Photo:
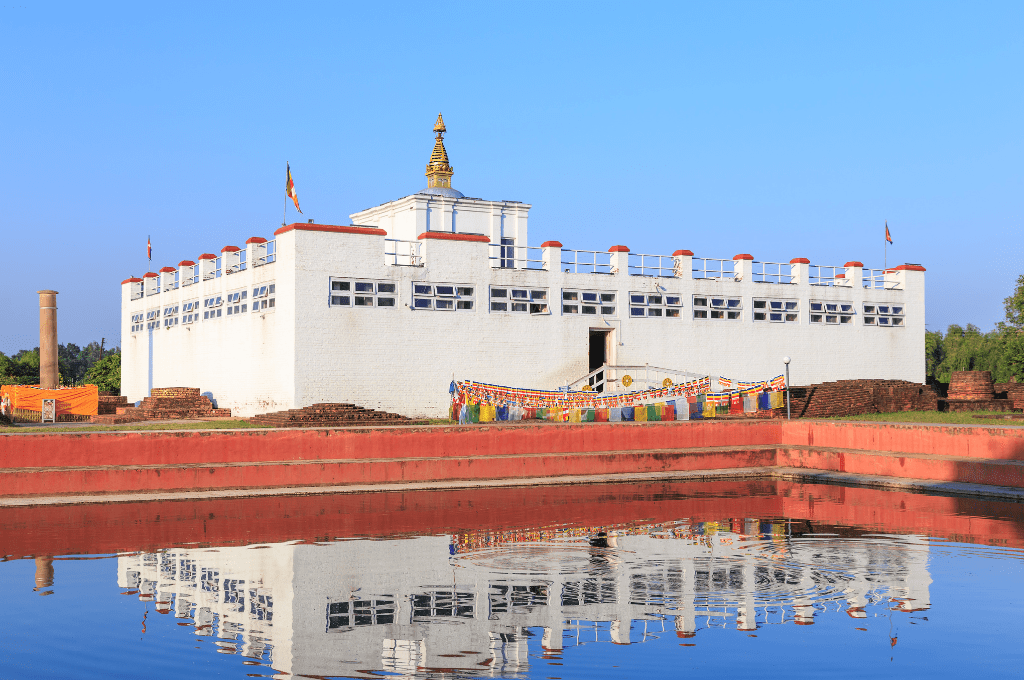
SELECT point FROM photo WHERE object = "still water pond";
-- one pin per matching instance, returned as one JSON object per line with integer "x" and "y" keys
{"x": 755, "y": 579}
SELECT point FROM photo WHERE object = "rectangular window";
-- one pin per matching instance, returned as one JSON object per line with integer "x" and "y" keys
{"x": 712, "y": 307}
{"x": 776, "y": 311}
{"x": 594, "y": 302}
{"x": 236, "y": 302}
{"x": 442, "y": 297}
{"x": 369, "y": 612}
{"x": 883, "y": 315}
{"x": 342, "y": 293}
{"x": 520, "y": 300}
{"x": 264, "y": 294}
{"x": 137, "y": 324}
{"x": 654, "y": 305}
{"x": 831, "y": 312}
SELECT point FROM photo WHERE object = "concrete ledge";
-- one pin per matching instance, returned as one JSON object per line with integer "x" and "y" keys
{"x": 253, "y": 462}
{"x": 801, "y": 475}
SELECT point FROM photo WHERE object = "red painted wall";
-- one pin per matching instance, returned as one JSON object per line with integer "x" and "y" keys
{"x": 127, "y": 527}
{"x": 46, "y": 464}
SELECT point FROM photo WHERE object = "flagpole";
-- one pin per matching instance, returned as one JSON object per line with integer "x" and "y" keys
{"x": 885, "y": 258}
{"x": 284, "y": 213}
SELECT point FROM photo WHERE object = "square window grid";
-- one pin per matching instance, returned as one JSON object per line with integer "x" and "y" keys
{"x": 520, "y": 300}
{"x": 137, "y": 324}
{"x": 776, "y": 311}
{"x": 263, "y": 297}
{"x": 885, "y": 315}
{"x": 835, "y": 313}
{"x": 190, "y": 312}
{"x": 655, "y": 305}
{"x": 362, "y": 294}
{"x": 443, "y": 297}
{"x": 367, "y": 612}
{"x": 715, "y": 307}
{"x": 236, "y": 302}
{"x": 152, "y": 319}
{"x": 594, "y": 302}
{"x": 212, "y": 307}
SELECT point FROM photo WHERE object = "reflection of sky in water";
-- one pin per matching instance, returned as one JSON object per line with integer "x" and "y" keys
{"x": 738, "y": 596}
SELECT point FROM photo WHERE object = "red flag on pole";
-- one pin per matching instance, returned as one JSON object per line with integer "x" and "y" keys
{"x": 888, "y": 236}
{"x": 290, "y": 188}
{"x": 149, "y": 248}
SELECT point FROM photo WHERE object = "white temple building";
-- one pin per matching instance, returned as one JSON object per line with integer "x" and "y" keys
{"x": 436, "y": 286}
{"x": 406, "y": 606}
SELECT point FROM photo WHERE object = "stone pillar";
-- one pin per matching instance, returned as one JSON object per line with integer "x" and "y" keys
{"x": 619, "y": 260}
{"x": 44, "y": 572}
{"x": 743, "y": 267}
{"x": 48, "y": 339}
{"x": 682, "y": 264}
{"x": 854, "y": 274}
{"x": 800, "y": 270}
{"x": 552, "y": 256}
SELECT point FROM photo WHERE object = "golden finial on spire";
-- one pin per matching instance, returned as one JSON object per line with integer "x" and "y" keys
{"x": 439, "y": 172}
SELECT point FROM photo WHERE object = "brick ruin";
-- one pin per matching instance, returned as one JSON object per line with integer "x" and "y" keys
{"x": 330, "y": 415}
{"x": 164, "y": 403}
{"x": 857, "y": 397}
{"x": 975, "y": 391}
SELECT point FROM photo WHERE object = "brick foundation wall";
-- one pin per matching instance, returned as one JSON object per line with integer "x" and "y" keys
{"x": 855, "y": 397}
{"x": 971, "y": 385}
{"x": 1012, "y": 391}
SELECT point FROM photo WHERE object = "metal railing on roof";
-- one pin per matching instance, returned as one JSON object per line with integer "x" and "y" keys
{"x": 663, "y": 266}
{"x": 586, "y": 261}
{"x": 401, "y": 253}
{"x": 504, "y": 256}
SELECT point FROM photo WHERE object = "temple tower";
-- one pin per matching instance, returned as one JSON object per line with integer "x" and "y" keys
{"x": 439, "y": 171}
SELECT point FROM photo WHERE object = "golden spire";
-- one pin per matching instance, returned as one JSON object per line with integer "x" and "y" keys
{"x": 439, "y": 172}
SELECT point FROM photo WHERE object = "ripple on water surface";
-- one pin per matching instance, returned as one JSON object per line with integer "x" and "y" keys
{"x": 710, "y": 592}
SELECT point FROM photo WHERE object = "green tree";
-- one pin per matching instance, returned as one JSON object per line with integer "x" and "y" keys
{"x": 106, "y": 373}
{"x": 1014, "y": 306}
{"x": 23, "y": 368}
{"x": 1013, "y": 331}
{"x": 934, "y": 353}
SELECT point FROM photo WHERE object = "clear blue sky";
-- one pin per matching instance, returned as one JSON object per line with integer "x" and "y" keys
{"x": 779, "y": 129}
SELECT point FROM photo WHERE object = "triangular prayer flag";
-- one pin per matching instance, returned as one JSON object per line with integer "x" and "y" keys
{"x": 290, "y": 188}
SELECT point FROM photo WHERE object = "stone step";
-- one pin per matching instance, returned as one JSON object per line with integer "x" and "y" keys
{"x": 353, "y": 469}
{"x": 334, "y": 472}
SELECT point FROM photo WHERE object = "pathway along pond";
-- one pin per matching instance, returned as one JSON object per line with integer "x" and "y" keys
{"x": 753, "y": 579}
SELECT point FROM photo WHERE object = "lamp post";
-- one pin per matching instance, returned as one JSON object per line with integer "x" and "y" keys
{"x": 785, "y": 360}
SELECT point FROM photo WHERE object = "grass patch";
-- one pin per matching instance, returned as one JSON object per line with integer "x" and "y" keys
{"x": 134, "y": 427}
{"x": 933, "y": 417}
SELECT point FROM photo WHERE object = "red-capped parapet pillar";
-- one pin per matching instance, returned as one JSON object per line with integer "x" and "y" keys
{"x": 48, "y": 372}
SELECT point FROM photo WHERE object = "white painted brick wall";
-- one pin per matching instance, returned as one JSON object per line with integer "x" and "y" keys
{"x": 402, "y": 360}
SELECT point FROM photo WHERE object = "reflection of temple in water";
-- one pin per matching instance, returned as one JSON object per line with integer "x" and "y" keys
{"x": 467, "y": 603}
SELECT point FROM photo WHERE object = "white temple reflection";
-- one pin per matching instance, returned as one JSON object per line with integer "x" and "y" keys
{"x": 483, "y": 603}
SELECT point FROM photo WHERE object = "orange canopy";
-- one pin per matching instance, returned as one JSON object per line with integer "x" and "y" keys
{"x": 82, "y": 401}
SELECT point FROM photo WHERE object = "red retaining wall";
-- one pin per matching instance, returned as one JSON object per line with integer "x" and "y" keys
{"x": 128, "y": 462}
{"x": 217, "y": 446}
{"x": 996, "y": 443}
{"x": 130, "y": 527}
